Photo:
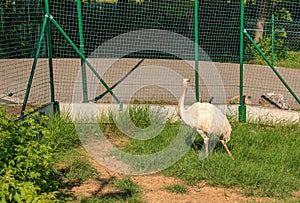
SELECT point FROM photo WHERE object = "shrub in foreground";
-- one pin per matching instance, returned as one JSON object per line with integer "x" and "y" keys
{"x": 25, "y": 173}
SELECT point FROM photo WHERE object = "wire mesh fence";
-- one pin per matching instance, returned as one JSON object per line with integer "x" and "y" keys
{"x": 20, "y": 23}
{"x": 135, "y": 66}
{"x": 274, "y": 26}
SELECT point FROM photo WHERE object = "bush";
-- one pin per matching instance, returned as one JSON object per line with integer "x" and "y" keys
{"x": 265, "y": 44}
{"x": 25, "y": 175}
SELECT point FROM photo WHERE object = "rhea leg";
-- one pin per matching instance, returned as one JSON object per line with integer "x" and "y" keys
{"x": 224, "y": 144}
{"x": 206, "y": 141}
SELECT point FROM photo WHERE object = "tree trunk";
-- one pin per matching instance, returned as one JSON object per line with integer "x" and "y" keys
{"x": 263, "y": 11}
{"x": 259, "y": 29}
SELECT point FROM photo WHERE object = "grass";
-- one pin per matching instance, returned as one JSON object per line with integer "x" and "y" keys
{"x": 101, "y": 199}
{"x": 266, "y": 158}
{"x": 69, "y": 159}
{"x": 72, "y": 168}
{"x": 177, "y": 188}
{"x": 125, "y": 184}
{"x": 127, "y": 191}
{"x": 267, "y": 162}
{"x": 293, "y": 61}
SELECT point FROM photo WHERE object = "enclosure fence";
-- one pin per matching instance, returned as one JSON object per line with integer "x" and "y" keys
{"x": 137, "y": 51}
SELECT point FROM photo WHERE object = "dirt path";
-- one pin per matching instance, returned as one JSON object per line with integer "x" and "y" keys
{"x": 152, "y": 189}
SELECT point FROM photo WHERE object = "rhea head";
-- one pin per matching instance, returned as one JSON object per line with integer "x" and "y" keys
{"x": 186, "y": 82}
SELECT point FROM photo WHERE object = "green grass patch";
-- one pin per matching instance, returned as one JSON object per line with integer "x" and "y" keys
{"x": 177, "y": 188}
{"x": 63, "y": 133}
{"x": 69, "y": 159}
{"x": 266, "y": 159}
{"x": 266, "y": 162}
{"x": 73, "y": 167}
{"x": 110, "y": 199}
{"x": 126, "y": 185}
{"x": 292, "y": 61}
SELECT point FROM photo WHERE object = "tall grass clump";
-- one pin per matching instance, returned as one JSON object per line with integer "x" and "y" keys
{"x": 70, "y": 164}
{"x": 63, "y": 133}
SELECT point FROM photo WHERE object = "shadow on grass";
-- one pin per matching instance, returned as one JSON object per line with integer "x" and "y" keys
{"x": 113, "y": 196}
{"x": 124, "y": 191}
{"x": 109, "y": 197}
{"x": 197, "y": 143}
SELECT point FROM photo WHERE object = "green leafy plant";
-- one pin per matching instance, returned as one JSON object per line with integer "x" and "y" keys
{"x": 265, "y": 44}
{"x": 25, "y": 172}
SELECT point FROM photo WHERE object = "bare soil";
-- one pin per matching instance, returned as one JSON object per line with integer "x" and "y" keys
{"x": 153, "y": 189}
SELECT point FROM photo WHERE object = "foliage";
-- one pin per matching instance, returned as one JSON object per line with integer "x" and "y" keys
{"x": 293, "y": 61}
{"x": 13, "y": 190}
{"x": 282, "y": 19}
{"x": 21, "y": 23}
{"x": 25, "y": 161}
{"x": 265, "y": 44}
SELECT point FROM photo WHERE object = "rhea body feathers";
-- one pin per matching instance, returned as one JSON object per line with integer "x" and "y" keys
{"x": 199, "y": 116}
{"x": 205, "y": 118}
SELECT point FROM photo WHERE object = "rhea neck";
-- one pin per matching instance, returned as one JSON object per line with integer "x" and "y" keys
{"x": 181, "y": 108}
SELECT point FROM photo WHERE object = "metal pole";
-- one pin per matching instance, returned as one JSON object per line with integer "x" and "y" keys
{"x": 273, "y": 39}
{"x": 33, "y": 67}
{"x": 272, "y": 67}
{"x": 196, "y": 33}
{"x": 81, "y": 47}
{"x": 49, "y": 44}
{"x": 242, "y": 107}
{"x": 85, "y": 60}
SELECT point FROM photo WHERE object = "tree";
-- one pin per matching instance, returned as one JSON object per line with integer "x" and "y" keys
{"x": 261, "y": 10}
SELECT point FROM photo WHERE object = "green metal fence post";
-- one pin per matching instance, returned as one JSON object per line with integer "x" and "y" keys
{"x": 33, "y": 67}
{"x": 273, "y": 39}
{"x": 81, "y": 47}
{"x": 49, "y": 44}
{"x": 60, "y": 29}
{"x": 271, "y": 66}
{"x": 196, "y": 33}
{"x": 242, "y": 107}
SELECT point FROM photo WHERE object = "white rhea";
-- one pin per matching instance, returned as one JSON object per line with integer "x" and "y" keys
{"x": 206, "y": 118}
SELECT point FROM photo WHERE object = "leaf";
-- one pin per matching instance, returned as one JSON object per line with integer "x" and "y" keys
{"x": 17, "y": 197}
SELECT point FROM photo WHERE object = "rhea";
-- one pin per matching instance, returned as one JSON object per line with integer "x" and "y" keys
{"x": 206, "y": 119}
